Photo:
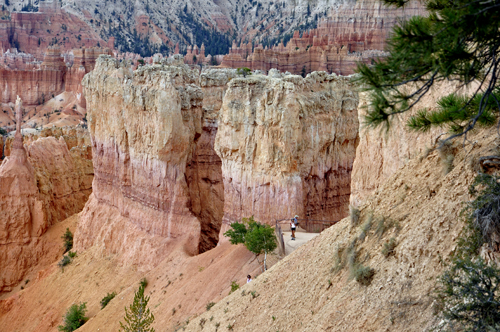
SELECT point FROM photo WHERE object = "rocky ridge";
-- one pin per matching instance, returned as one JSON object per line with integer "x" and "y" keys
{"x": 34, "y": 32}
{"x": 353, "y": 31}
{"x": 361, "y": 24}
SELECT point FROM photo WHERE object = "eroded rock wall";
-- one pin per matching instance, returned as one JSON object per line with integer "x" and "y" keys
{"x": 381, "y": 153}
{"x": 36, "y": 83}
{"x": 143, "y": 125}
{"x": 33, "y": 32}
{"x": 41, "y": 183}
{"x": 72, "y": 136}
{"x": 204, "y": 172}
{"x": 287, "y": 146}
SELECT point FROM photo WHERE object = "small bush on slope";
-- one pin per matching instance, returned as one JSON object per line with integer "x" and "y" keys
{"x": 354, "y": 214}
{"x": 363, "y": 274}
{"x": 388, "y": 248}
{"x": 469, "y": 291}
{"x": 64, "y": 261}
{"x": 74, "y": 318}
{"x": 68, "y": 240}
{"x": 138, "y": 317}
{"x": 105, "y": 300}
{"x": 234, "y": 286}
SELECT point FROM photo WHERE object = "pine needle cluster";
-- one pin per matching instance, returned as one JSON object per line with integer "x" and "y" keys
{"x": 458, "y": 41}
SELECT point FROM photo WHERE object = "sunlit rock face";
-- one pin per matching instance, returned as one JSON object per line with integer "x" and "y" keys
{"x": 287, "y": 146}
{"x": 143, "y": 126}
{"x": 41, "y": 182}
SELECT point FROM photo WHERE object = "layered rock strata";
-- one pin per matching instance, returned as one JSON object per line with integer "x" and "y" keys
{"x": 40, "y": 184}
{"x": 354, "y": 31}
{"x": 74, "y": 137}
{"x": 204, "y": 172}
{"x": 287, "y": 146}
{"x": 33, "y": 32}
{"x": 38, "y": 83}
{"x": 143, "y": 126}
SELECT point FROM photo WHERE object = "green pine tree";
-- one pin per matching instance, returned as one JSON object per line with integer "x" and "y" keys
{"x": 458, "y": 41}
{"x": 138, "y": 318}
{"x": 258, "y": 238}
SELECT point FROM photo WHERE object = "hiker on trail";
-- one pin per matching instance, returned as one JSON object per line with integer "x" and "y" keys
{"x": 293, "y": 226}
{"x": 249, "y": 278}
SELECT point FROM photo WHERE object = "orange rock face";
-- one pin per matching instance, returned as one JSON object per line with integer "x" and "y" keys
{"x": 351, "y": 34}
{"x": 287, "y": 146}
{"x": 40, "y": 184}
{"x": 37, "y": 83}
{"x": 143, "y": 126}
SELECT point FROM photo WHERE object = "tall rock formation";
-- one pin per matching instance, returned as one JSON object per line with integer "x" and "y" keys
{"x": 287, "y": 146}
{"x": 143, "y": 126}
{"x": 172, "y": 160}
{"x": 23, "y": 215}
{"x": 204, "y": 172}
{"x": 39, "y": 185}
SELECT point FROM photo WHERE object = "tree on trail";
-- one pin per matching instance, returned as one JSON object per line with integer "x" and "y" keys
{"x": 258, "y": 238}
{"x": 138, "y": 318}
{"x": 458, "y": 41}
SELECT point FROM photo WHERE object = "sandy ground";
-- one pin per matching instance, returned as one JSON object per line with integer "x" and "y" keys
{"x": 180, "y": 287}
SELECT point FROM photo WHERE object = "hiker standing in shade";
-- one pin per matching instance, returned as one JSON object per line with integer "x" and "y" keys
{"x": 293, "y": 226}
{"x": 249, "y": 278}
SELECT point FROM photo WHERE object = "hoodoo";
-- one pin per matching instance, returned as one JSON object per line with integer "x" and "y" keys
{"x": 40, "y": 184}
{"x": 22, "y": 214}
